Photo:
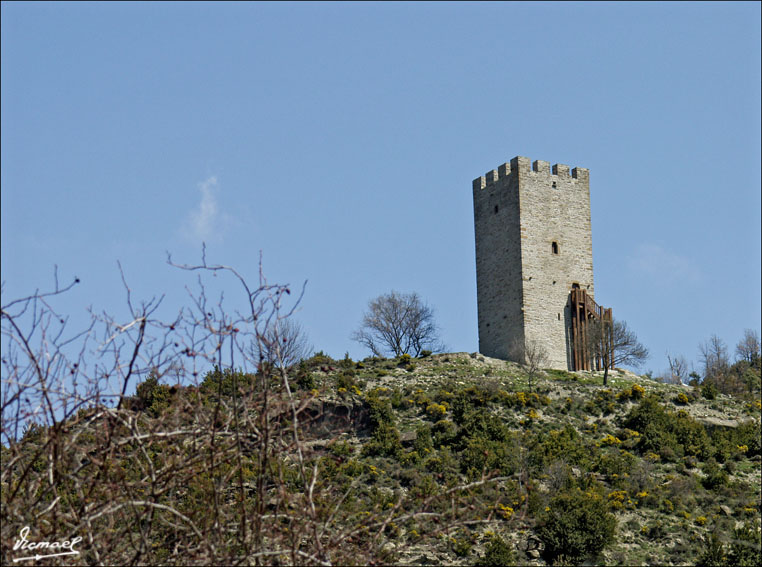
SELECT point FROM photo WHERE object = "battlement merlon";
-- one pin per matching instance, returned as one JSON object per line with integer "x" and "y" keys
{"x": 581, "y": 173}
{"x": 492, "y": 177}
{"x": 524, "y": 165}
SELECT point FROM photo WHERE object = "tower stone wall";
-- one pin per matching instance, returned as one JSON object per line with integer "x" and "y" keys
{"x": 533, "y": 244}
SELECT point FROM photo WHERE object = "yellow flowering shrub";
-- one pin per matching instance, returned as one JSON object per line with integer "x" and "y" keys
{"x": 618, "y": 495}
{"x": 436, "y": 411}
{"x": 637, "y": 391}
{"x": 505, "y": 511}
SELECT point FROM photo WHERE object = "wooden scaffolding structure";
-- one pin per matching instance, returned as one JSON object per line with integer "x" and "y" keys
{"x": 590, "y": 352}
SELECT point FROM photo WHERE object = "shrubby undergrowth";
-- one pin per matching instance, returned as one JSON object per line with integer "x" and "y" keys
{"x": 446, "y": 458}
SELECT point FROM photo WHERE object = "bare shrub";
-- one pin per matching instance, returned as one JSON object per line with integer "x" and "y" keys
{"x": 531, "y": 354}
{"x": 199, "y": 480}
{"x": 678, "y": 369}
{"x": 284, "y": 344}
{"x": 212, "y": 462}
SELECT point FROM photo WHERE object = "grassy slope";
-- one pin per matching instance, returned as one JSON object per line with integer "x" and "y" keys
{"x": 649, "y": 531}
{"x": 389, "y": 482}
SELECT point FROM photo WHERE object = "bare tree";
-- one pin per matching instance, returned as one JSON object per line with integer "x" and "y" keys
{"x": 678, "y": 368}
{"x": 398, "y": 323}
{"x": 714, "y": 357}
{"x": 625, "y": 348}
{"x": 748, "y": 348}
{"x": 284, "y": 344}
{"x": 531, "y": 354}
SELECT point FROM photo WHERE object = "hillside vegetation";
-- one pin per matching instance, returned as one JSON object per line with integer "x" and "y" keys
{"x": 443, "y": 459}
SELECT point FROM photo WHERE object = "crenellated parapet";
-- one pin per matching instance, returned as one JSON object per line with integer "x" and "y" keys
{"x": 524, "y": 166}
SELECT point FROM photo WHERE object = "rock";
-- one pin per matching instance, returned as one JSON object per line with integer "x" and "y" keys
{"x": 408, "y": 437}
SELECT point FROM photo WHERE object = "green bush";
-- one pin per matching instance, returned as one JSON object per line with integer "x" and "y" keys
{"x": 461, "y": 545}
{"x": 347, "y": 362}
{"x": 467, "y": 400}
{"x": 497, "y": 554}
{"x": 380, "y": 409}
{"x": 304, "y": 378}
{"x": 575, "y": 524}
{"x": 482, "y": 456}
{"x": 691, "y": 435}
{"x": 647, "y": 413}
{"x": 346, "y": 379}
{"x": 154, "y": 397}
{"x": 522, "y": 400}
{"x": 670, "y": 434}
{"x": 444, "y": 433}
{"x": 749, "y": 433}
{"x": 559, "y": 444}
{"x": 714, "y": 553}
{"x": 603, "y": 403}
{"x": 423, "y": 441}
{"x": 385, "y": 441}
{"x": 714, "y": 476}
{"x": 483, "y": 424}
{"x": 225, "y": 381}
{"x": 319, "y": 358}
{"x": 442, "y": 462}
{"x": 723, "y": 441}
{"x": 614, "y": 462}
{"x": 745, "y": 550}
{"x": 341, "y": 449}
{"x": 709, "y": 390}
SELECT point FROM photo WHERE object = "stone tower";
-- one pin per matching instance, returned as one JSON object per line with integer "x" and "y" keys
{"x": 533, "y": 247}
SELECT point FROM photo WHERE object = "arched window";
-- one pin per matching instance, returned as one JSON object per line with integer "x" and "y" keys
{"x": 554, "y": 247}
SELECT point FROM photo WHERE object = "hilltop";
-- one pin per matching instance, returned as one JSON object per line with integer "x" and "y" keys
{"x": 454, "y": 459}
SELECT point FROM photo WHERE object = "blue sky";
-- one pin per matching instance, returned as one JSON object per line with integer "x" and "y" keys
{"x": 340, "y": 140}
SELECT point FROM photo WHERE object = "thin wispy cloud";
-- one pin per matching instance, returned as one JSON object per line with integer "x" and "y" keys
{"x": 206, "y": 222}
{"x": 656, "y": 263}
